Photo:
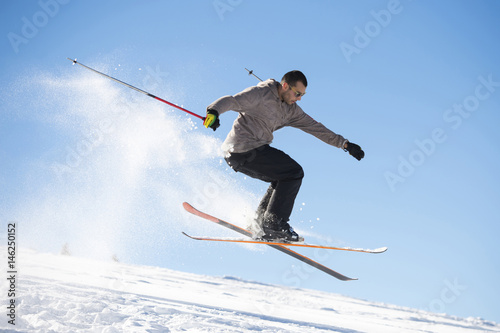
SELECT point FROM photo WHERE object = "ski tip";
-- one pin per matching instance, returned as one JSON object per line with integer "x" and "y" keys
{"x": 187, "y": 206}
{"x": 186, "y": 234}
{"x": 73, "y": 60}
{"x": 380, "y": 250}
{"x": 192, "y": 237}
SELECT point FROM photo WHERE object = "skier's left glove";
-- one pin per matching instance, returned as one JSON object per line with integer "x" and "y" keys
{"x": 354, "y": 150}
{"x": 212, "y": 119}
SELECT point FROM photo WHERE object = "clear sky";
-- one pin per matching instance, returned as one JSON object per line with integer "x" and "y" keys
{"x": 95, "y": 165}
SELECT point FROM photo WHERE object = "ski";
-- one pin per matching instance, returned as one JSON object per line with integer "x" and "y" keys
{"x": 281, "y": 248}
{"x": 277, "y": 242}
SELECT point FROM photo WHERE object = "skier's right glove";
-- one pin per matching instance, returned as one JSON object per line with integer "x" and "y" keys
{"x": 212, "y": 119}
{"x": 354, "y": 150}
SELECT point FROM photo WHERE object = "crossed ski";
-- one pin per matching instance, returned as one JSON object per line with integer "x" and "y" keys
{"x": 283, "y": 247}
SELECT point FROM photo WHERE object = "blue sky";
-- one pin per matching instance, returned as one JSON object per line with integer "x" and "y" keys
{"x": 90, "y": 163}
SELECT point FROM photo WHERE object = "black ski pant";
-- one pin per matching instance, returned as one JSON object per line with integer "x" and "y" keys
{"x": 273, "y": 166}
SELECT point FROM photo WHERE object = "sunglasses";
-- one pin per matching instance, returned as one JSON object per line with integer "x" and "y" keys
{"x": 297, "y": 93}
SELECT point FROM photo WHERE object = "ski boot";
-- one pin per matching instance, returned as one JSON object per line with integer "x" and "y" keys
{"x": 280, "y": 232}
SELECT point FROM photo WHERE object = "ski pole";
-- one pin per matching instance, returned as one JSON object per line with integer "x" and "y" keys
{"x": 250, "y": 72}
{"x": 137, "y": 89}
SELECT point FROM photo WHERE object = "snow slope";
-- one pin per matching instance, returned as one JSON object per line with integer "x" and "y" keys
{"x": 57, "y": 293}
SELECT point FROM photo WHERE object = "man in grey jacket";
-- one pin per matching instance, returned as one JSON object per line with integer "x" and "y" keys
{"x": 263, "y": 109}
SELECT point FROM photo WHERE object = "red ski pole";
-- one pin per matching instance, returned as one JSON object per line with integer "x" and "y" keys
{"x": 139, "y": 90}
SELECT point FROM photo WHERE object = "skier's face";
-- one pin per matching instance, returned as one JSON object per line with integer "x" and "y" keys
{"x": 292, "y": 94}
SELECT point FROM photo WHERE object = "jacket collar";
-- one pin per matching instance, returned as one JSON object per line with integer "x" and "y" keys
{"x": 273, "y": 85}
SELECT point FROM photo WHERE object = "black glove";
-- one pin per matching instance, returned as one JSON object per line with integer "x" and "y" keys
{"x": 354, "y": 150}
{"x": 212, "y": 119}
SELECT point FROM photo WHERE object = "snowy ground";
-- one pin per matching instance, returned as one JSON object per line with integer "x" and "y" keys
{"x": 57, "y": 293}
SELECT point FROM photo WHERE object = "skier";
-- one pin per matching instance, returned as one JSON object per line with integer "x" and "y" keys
{"x": 263, "y": 109}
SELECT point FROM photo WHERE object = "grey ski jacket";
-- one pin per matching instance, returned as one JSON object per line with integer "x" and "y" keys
{"x": 261, "y": 112}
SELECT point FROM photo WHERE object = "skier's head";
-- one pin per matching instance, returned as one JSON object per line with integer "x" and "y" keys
{"x": 293, "y": 77}
{"x": 293, "y": 86}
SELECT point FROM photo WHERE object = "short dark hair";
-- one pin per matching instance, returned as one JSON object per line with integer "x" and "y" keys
{"x": 293, "y": 77}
